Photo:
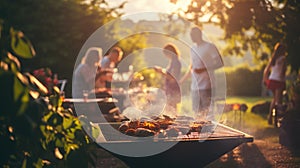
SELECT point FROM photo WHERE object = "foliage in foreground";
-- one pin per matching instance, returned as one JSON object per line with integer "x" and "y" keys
{"x": 35, "y": 130}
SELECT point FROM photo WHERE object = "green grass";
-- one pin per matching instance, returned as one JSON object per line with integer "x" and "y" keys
{"x": 250, "y": 101}
{"x": 251, "y": 123}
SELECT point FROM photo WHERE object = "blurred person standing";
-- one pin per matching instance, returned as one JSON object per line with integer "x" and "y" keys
{"x": 172, "y": 76}
{"x": 85, "y": 73}
{"x": 110, "y": 61}
{"x": 114, "y": 56}
{"x": 274, "y": 76}
{"x": 205, "y": 59}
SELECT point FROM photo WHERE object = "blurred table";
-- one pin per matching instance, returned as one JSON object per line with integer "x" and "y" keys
{"x": 93, "y": 100}
{"x": 118, "y": 94}
{"x": 93, "y": 108}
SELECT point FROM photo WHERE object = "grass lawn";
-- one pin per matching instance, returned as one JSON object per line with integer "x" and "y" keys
{"x": 265, "y": 151}
{"x": 248, "y": 122}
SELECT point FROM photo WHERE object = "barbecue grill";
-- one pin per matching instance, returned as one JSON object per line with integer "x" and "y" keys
{"x": 180, "y": 151}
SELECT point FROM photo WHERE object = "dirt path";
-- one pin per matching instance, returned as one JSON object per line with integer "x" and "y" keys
{"x": 259, "y": 154}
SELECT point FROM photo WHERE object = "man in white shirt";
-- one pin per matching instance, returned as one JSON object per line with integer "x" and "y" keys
{"x": 205, "y": 58}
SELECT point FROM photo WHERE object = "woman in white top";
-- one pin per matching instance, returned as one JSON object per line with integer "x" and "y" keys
{"x": 274, "y": 76}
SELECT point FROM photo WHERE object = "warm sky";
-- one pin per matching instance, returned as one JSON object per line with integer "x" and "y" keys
{"x": 162, "y": 6}
{"x": 165, "y": 6}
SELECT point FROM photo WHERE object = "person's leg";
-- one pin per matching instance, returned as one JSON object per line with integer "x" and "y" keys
{"x": 278, "y": 103}
{"x": 272, "y": 105}
{"x": 195, "y": 101}
{"x": 205, "y": 100}
{"x": 278, "y": 96}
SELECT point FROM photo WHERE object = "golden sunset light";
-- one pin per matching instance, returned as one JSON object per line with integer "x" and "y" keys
{"x": 149, "y": 83}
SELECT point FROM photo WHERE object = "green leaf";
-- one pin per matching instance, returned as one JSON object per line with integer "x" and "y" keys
{"x": 44, "y": 145}
{"x": 55, "y": 119}
{"x": 24, "y": 164}
{"x": 21, "y": 95}
{"x": 67, "y": 123}
{"x": 59, "y": 143}
{"x": 39, "y": 163}
{"x": 20, "y": 45}
{"x": 71, "y": 135}
{"x": 95, "y": 131}
{"x": 54, "y": 100}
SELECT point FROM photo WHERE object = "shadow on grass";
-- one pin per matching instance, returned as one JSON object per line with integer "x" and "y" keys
{"x": 244, "y": 156}
{"x": 265, "y": 133}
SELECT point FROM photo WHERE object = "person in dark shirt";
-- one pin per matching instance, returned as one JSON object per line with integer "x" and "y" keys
{"x": 109, "y": 61}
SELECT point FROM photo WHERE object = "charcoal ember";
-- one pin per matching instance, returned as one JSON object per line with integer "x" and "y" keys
{"x": 156, "y": 127}
{"x": 150, "y": 125}
{"x": 143, "y": 132}
{"x": 163, "y": 121}
{"x": 206, "y": 126}
{"x": 172, "y": 132}
{"x": 124, "y": 127}
{"x": 134, "y": 124}
{"x": 196, "y": 128}
{"x": 130, "y": 132}
{"x": 164, "y": 124}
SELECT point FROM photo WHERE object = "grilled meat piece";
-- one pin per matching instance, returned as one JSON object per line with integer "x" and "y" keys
{"x": 124, "y": 127}
{"x": 130, "y": 132}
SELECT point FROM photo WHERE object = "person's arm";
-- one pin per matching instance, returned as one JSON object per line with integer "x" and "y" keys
{"x": 186, "y": 75}
{"x": 164, "y": 72}
{"x": 105, "y": 63}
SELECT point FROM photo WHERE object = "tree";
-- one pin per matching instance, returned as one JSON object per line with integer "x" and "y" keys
{"x": 252, "y": 24}
{"x": 57, "y": 28}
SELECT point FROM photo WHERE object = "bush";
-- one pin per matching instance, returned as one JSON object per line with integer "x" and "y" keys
{"x": 35, "y": 130}
{"x": 244, "y": 81}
